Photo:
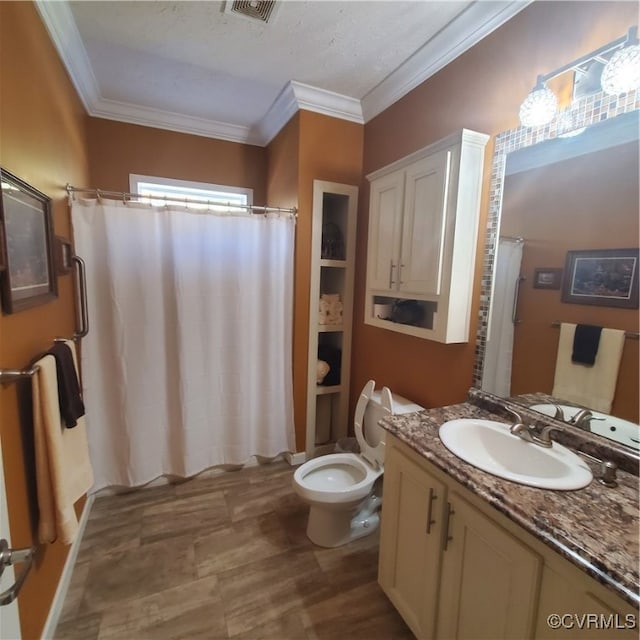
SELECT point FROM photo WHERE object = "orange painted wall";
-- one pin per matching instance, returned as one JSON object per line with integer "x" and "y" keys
{"x": 310, "y": 147}
{"x": 331, "y": 150}
{"x": 481, "y": 90}
{"x": 43, "y": 141}
{"x": 589, "y": 202}
{"x": 117, "y": 149}
{"x": 283, "y": 160}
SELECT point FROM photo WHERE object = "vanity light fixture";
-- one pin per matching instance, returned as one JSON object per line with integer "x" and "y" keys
{"x": 621, "y": 73}
{"x": 540, "y": 106}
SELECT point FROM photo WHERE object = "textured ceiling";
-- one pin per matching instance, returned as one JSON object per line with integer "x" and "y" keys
{"x": 163, "y": 61}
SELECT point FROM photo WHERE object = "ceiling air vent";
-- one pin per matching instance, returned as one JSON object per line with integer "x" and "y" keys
{"x": 260, "y": 10}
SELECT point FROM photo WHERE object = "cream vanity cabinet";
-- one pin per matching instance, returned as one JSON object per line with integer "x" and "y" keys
{"x": 454, "y": 570}
{"x": 410, "y": 540}
{"x": 423, "y": 223}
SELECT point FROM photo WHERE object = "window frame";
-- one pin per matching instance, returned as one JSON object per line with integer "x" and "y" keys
{"x": 136, "y": 179}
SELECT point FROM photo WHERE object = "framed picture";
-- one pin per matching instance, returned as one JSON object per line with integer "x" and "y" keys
{"x": 547, "y": 278}
{"x": 26, "y": 245}
{"x": 605, "y": 277}
{"x": 63, "y": 256}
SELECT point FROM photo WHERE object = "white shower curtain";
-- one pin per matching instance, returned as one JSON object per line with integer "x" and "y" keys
{"x": 496, "y": 373}
{"x": 187, "y": 364}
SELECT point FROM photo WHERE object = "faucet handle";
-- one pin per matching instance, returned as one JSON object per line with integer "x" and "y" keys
{"x": 515, "y": 414}
{"x": 559, "y": 413}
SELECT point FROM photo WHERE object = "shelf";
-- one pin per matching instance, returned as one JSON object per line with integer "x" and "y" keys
{"x": 324, "y": 328}
{"x": 338, "y": 264}
{"x": 324, "y": 391}
{"x": 334, "y": 211}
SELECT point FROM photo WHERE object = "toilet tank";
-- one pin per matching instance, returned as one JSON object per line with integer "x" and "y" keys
{"x": 374, "y": 412}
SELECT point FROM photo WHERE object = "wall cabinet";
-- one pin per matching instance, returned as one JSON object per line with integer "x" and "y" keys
{"x": 453, "y": 569}
{"x": 423, "y": 222}
{"x": 333, "y": 238}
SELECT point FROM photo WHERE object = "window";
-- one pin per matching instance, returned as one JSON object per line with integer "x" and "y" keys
{"x": 197, "y": 195}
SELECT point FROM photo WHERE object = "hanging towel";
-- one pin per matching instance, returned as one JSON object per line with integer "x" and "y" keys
{"x": 63, "y": 469}
{"x": 591, "y": 387}
{"x": 69, "y": 395}
{"x": 585, "y": 344}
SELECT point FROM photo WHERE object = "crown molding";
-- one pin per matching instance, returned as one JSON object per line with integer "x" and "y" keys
{"x": 296, "y": 96}
{"x": 476, "y": 22}
{"x": 60, "y": 24}
{"x": 462, "y": 33}
{"x": 328, "y": 103}
{"x": 171, "y": 121}
{"x": 283, "y": 108}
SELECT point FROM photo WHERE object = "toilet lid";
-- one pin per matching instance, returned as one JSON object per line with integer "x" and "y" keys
{"x": 373, "y": 455}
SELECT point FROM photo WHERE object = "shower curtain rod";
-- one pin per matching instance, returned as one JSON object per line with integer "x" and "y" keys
{"x": 127, "y": 196}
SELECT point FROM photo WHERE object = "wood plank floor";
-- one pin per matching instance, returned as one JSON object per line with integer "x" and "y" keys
{"x": 221, "y": 557}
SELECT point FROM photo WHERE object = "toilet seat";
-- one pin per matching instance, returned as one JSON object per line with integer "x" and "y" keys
{"x": 373, "y": 455}
{"x": 341, "y": 488}
{"x": 336, "y": 490}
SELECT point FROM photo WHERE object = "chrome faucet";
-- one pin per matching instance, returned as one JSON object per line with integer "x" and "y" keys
{"x": 583, "y": 419}
{"x": 529, "y": 434}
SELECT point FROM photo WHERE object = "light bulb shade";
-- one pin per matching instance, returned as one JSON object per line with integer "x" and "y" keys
{"x": 622, "y": 72}
{"x": 538, "y": 108}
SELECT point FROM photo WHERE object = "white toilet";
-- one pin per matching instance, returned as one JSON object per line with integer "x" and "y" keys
{"x": 340, "y": 486}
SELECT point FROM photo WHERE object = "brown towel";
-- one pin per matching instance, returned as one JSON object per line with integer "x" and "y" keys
{"x": 586, "y": 341}
{"x": 69, "y": 395}
{"x": 63, "y": 468}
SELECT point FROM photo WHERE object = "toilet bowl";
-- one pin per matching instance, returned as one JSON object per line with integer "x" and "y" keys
{"x": 341, "y": 488}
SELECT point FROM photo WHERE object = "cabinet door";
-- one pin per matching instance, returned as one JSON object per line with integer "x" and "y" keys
{"x": 424, "y": 225}
{"x": 571, "y": 606}
{"x": 489, "y": 579}
{"x": 385, "y": 226}
{"x": 410, "y": 541}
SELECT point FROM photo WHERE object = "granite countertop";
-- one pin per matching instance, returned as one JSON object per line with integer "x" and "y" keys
{"x": 595, "y": 528}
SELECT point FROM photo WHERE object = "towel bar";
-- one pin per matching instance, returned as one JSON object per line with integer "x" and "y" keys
{"x": 7, "y": 376}
{"x": 11, "y": 375}
{"x": 632, "y": 335}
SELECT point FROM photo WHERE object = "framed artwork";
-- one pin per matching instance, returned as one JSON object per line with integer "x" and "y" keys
{"x": 605, "y": 277}
{"x": 547, "y": 278}
{"x": 26, "y": 245}
{"x": 63, "y": 256}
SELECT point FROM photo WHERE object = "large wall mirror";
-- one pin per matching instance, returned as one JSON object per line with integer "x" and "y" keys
{"x": 556, "y": 198}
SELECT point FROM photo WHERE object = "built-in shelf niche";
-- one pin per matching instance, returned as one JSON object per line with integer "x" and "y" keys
{"x": 332, "y": 272}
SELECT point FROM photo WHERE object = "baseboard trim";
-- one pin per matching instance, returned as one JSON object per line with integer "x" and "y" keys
{"x": 295, "y": 459}
{"x": 65, "y": 578}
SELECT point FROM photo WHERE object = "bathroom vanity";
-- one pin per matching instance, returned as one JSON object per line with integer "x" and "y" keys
{"x": 465, "y": 554}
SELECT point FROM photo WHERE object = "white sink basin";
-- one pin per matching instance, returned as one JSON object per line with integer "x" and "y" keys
{"x": 489, "y": 446}
{"x": 617, "y": 429}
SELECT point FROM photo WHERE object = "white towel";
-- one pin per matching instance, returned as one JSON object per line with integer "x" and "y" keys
{"x": 63, "y": 470}
{"x": 592, "y": 387}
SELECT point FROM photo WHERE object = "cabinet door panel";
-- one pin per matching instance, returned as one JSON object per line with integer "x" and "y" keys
{"x": 410, "y": 541}
{"x": 489, "y": 580}
{"x": 583, "y": 615}
{"x": 385, "y": 224}
{"x": 424, "y": 225}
